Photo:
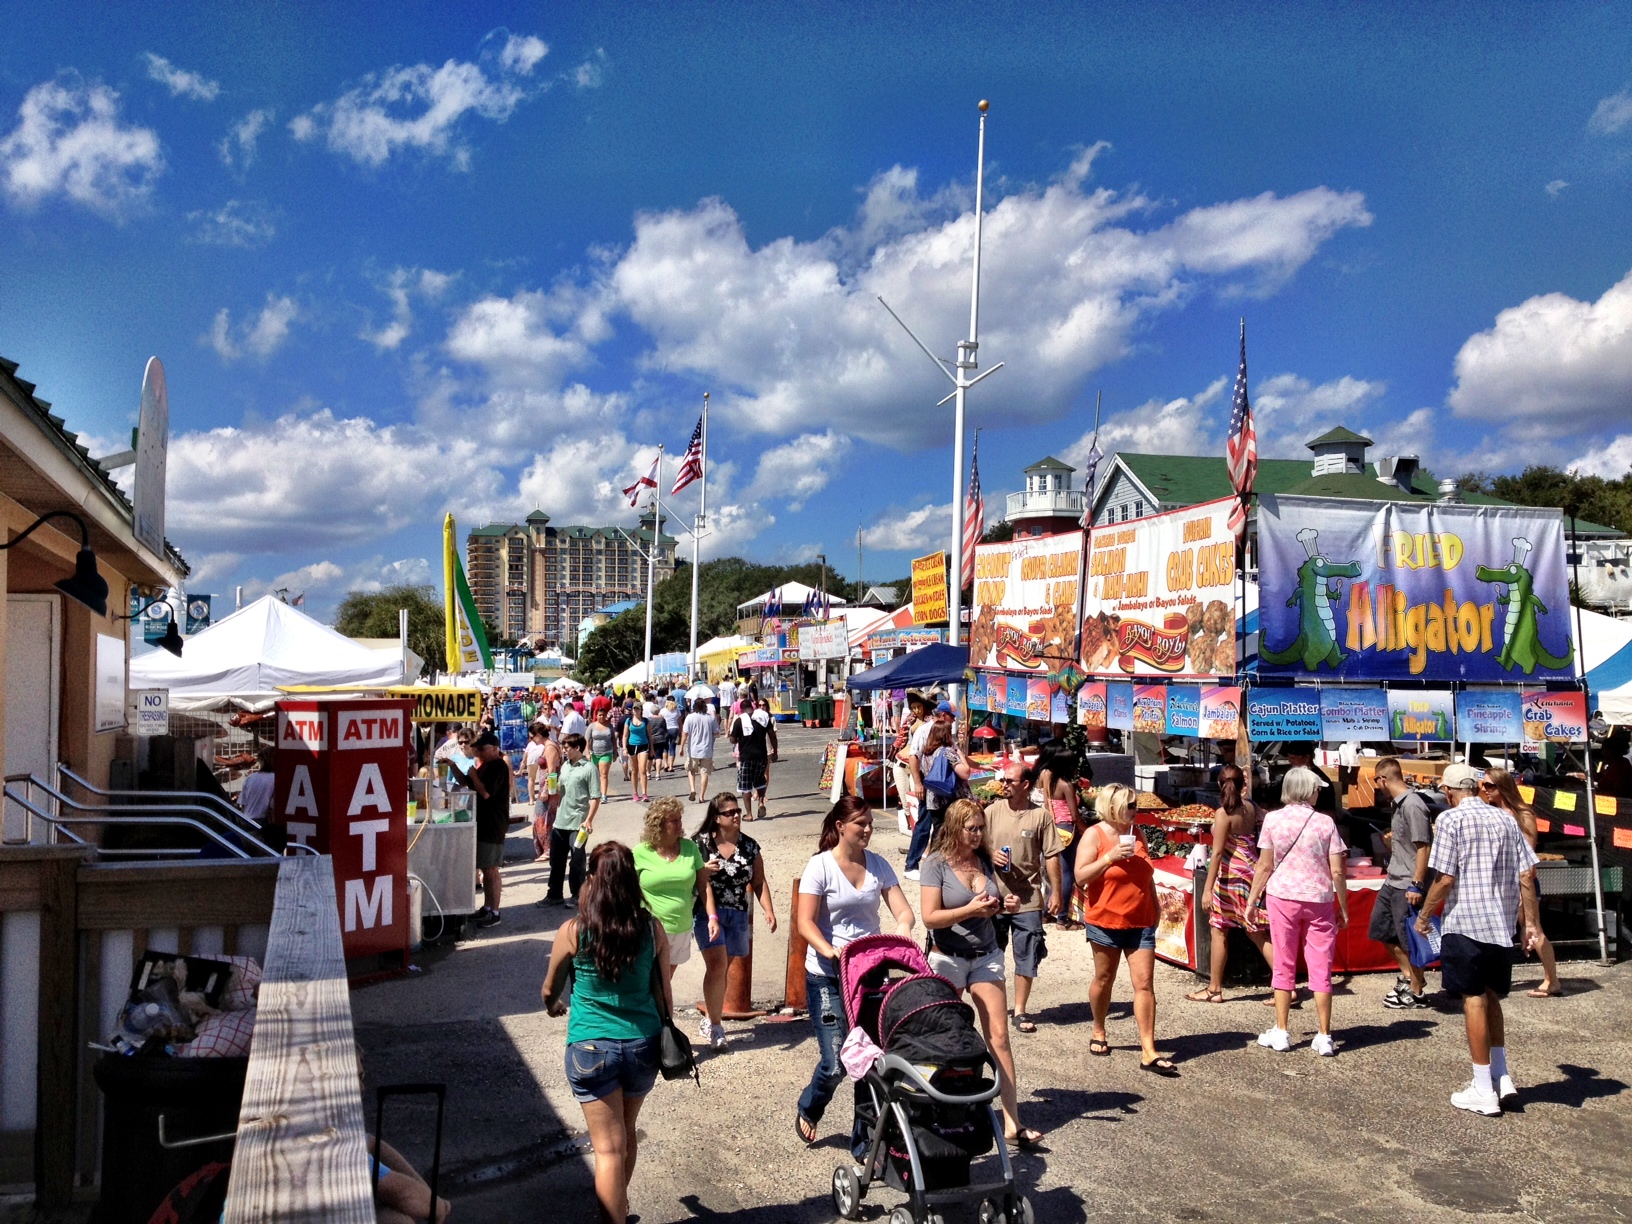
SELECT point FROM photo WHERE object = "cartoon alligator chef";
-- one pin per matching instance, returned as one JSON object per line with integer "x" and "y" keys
{"x": 1521, "y": 634}
{"x": 1316, "y": 642}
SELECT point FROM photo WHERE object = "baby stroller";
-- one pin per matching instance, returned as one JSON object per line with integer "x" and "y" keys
{"x": 926, "y": 1104}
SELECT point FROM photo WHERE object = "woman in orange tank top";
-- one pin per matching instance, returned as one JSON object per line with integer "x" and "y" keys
{"x": 1119, "y": 916}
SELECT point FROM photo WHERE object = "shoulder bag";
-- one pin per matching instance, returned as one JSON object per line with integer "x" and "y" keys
{"x": 674, "y": 1057}
{"x": 941, "y": 777}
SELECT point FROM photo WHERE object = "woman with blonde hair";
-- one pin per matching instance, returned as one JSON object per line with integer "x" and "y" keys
{"x": 673, "y": 877}
{"x": 1499, "y": 789}
{"x": 1119, "y": 916}
{"x": 959, "y": 896}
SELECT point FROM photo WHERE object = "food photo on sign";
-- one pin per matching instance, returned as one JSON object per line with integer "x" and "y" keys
{"x": 1025, "y": 599}
{"x": 1392, "y": 591}
{"x": 1160, "y": 598}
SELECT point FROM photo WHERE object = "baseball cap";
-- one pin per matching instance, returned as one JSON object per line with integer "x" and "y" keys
{"x": 1300, "y": 748}
{"x": 1460, "y": 777}
{"x": 946, "y": 707}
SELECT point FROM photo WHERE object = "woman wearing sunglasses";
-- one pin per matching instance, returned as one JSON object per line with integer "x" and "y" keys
{"x": 739, "y": 871}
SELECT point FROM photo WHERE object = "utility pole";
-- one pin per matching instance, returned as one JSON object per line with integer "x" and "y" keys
{"x": 861, "y": 587}
{"x": 698, "y": 526}
{"x": 651, "y": 558}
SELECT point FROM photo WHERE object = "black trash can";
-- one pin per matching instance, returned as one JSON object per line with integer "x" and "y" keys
{"x": 195, "y": 1096}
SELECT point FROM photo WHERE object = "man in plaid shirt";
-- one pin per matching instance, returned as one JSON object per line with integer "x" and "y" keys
{"x": 1487, "y": 873}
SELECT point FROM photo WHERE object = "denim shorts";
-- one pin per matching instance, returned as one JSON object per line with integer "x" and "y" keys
{"x": 736, "y": 931}
{"x": 1123, "y": 939}
{"x": 966, "y": 971}
{"x": 597, "y": 1068}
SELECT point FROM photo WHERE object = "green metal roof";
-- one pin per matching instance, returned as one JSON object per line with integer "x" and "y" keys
{"x": 492, "y": 529}
{"x": 1050, "y": 464}
{"x": 1334, "y": 436}
{"x": 538, "y": 516}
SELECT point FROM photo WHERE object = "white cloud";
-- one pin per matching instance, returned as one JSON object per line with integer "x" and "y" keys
{"x": 521, "y": 53}
{"x": 310, "y": 480}
{"x": 404, "y": 283}
{"x": 237, "y": 223}
{"x": 1552, "y": 362}
{"x": 793, "y": 332}
{"x": 180, "y": 82}
{"x": 1556, "y": 187}
{"x": 1611, "y": 114}
{"x": 1288, "y": 409}
{"x": 69, "y": 140}
{"x": 529, "y": 337}
{"x": 590, "y": 73}
{"x": 420, "y": 106}
{"x": 1188, "y": 425}
{"x": 237, "y": 147}
{"x": 911, "y": 530}
{"x": 796, "y": 471}
{"x": 258, "y": 337}
{"x": 1612, "y": 461}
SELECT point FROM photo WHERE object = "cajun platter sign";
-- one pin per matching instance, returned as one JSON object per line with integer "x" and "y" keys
{"x": 1422, "y": 591}
{"x": 1161, "y": 595}
{"x": 1025, "y": 604}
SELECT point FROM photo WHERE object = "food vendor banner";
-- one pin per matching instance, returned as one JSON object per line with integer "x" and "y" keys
{"x": 1025, "y": 603}
{"x": 910, "y": 639}
{"x": 1490, "y": 717}
{"x": 1037, "y": 701}
{"x": 1220, "y": 712}
{"x": 1161, "y": 595}
{"x": 1402, "y": 590}
{"x": 1119, "y": 705}
{"x": 1354, "y": 714}
{"x": 1091, "y": 710}
{"x": 1560, "y": 717}
{"x": 1150, "y": 708}
{"x": 1014, "y": 701}
{"x": 976, "y": 692}
{"x": 1427, "y": 715}
{"x": 1059, "y": 706}
{"x": 1183, "y": 709}
{"x": 929, "y": 590}
{"x": 1283, "y": 714}
{"x": 829, "y": 640}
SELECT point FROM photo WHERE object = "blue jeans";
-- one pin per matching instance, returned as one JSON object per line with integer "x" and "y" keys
{"x": 826, "y": 1007}
{"x": 928, "y": 821}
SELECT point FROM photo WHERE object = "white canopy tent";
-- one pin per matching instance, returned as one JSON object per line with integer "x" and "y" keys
{"x": 245, "y": 659}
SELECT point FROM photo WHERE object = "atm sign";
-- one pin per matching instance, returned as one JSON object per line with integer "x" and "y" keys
{"x": 369, "y": 729}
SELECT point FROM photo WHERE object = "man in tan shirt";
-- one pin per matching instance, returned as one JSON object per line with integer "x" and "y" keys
{"x": 1024, "y": 846}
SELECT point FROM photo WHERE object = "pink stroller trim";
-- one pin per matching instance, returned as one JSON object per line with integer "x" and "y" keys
{"x": 871, "y": 958}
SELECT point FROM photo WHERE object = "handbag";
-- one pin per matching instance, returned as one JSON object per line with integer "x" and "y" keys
{"x": 941, "y": 777}
{"x": 674, "y": 1057}
{"x": 1423, "y": 949}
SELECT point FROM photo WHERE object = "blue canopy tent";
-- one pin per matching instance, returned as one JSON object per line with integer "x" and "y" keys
{"x": 929, "y": 665}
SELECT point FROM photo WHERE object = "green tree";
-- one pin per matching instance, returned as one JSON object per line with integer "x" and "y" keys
{"x": 374, "y": 614}
{"x": 621, "y": 642}
{"x": 1000, "y": 532}
{"x": 1590, "y": 498}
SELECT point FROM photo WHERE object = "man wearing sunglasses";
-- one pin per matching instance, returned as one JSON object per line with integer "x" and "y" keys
{"x": 1024, "y": 846}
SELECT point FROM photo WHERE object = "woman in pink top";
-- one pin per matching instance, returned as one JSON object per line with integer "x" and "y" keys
{"x": 1300, "y": 867}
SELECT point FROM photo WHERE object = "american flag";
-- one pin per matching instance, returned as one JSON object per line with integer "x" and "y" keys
{"x": 648, "y": 481}
{"x": 1241, "y": 448}
{"x": 691, "y": 463}
{"x": 1090, "y": 473}
{"x": 974, "y": 515}
{"x": 773, "y": 605}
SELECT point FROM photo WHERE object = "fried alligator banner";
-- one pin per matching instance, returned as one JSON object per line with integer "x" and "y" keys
{"x": 1161, "y": 595}
{"x": 1400, "y": 590}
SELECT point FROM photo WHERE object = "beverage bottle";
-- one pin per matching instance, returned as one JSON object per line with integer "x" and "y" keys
{"x": 582, "y": 839}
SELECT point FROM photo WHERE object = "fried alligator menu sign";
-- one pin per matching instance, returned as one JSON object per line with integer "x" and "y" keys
{"x": 1376, "y": 590}
{"x": 1161, "y": 595}
{"x": 1025, "y": 603}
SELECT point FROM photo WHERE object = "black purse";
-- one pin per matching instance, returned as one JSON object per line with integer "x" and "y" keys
{"x": 674, "y": 1057}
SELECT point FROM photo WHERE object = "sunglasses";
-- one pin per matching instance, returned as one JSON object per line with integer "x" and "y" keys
{"x": 974, "y": 828}
{"x": 728, "y": 812}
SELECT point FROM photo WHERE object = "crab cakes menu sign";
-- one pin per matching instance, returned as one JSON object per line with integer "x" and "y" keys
{"x": 1381, "y": 590}
{"x": 1161, "y": 594}
{"x": 1025, "y": 603}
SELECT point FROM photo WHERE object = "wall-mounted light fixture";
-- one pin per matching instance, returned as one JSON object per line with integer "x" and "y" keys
{"x": 85, "y": 585}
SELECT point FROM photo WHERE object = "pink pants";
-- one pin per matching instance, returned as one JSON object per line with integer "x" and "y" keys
{"x": 1307, "y": 925}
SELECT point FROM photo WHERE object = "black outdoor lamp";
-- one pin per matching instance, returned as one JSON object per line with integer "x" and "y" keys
{"x": 171, "y": 640}
{"x": 84, "y": 585}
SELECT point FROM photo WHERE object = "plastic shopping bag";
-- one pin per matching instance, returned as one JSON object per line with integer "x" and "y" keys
{"x": 1423, "y": 949}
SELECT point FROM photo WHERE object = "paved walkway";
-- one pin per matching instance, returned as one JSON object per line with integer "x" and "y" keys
{"x": 1243, "y": 1135}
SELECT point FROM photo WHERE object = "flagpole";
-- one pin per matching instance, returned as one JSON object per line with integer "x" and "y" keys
{"x": 651, "y": 558}
{"x": 1087, "y": 530}
{"x": 697, "y": 526}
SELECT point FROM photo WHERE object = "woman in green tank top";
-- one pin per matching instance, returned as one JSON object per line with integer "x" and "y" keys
{"x": 606, "y": 957}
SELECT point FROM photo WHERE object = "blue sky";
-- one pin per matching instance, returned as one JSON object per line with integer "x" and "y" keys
{"x": 401, "y": 259}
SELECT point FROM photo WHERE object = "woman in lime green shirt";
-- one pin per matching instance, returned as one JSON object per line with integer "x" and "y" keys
{"x": 606, "y": 957}
{"x": 672, "y": 876}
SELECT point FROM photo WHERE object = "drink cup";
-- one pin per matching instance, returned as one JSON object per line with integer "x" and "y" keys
{"x": 582, "y": 839}
{"x": 1128, "y": 840}
{"x": 552, "y": 783}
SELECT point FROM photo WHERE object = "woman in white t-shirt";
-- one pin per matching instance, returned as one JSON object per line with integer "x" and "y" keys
{"x": 839, "y": 895}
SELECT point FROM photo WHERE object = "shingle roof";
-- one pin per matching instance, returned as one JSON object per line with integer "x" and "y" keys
{"x": 56, "y": 428}
{"x": 1339, "y": 434}
{"x": 1050, "y": 464}
{"x": 538, "y": 516}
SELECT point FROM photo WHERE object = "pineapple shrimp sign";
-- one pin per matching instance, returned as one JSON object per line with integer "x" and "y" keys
{"x": 1161, "y": 595}
{"x": 1361, "y": 590}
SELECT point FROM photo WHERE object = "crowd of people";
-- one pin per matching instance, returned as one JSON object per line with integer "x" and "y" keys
{"x": 988, "y": 878}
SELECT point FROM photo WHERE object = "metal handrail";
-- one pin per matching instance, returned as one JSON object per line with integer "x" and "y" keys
{"x": 148, "y": 807}
{"x": 142, "y": 815}
{"x": 222, "y": 808}
{"x": 58, "y": 824}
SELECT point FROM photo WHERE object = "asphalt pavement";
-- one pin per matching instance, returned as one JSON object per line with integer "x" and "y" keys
{"x": 1244, "y": 1134}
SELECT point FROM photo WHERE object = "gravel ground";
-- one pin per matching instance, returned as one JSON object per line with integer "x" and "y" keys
{"x": 1243, "y": 1134}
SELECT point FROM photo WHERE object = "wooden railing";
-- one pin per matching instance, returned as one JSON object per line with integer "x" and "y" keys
{"x": 302, "y": 1153}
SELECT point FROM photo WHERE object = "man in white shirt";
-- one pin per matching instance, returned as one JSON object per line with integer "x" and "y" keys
{"x": 728, "y": 694}
{"x": 697, "y": 746}
{"x": 572, "y": 722}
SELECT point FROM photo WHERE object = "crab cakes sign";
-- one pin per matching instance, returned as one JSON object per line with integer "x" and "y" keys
{"x": 1025, "y": 604}
{"x": 1375, "y": 590}
{"x": 1161, "y": 595}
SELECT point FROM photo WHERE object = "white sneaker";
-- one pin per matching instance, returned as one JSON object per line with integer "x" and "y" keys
{"x": 705, "y": 1030}
{"x": 1506, "y": 1089}
{"x": 1479, "y": 1101}
{"x": 1275, "y": 1039}
{"x": 913, "y": 875}
{"x": 717, "y": 1037}
{"x": 1324, "y": 1045}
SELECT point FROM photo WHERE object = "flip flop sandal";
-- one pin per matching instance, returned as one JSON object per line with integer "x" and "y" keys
{"x": 1161, "y": 1066}
{"x": 1025, "y": 1139}
{"x": 799, "y": 1124}
{"x": 1539, "y": 993}
{"x": 1099, "y": 1047}
{"x": 1025, "y": 1024}
{"x": 1205, "y": 996}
